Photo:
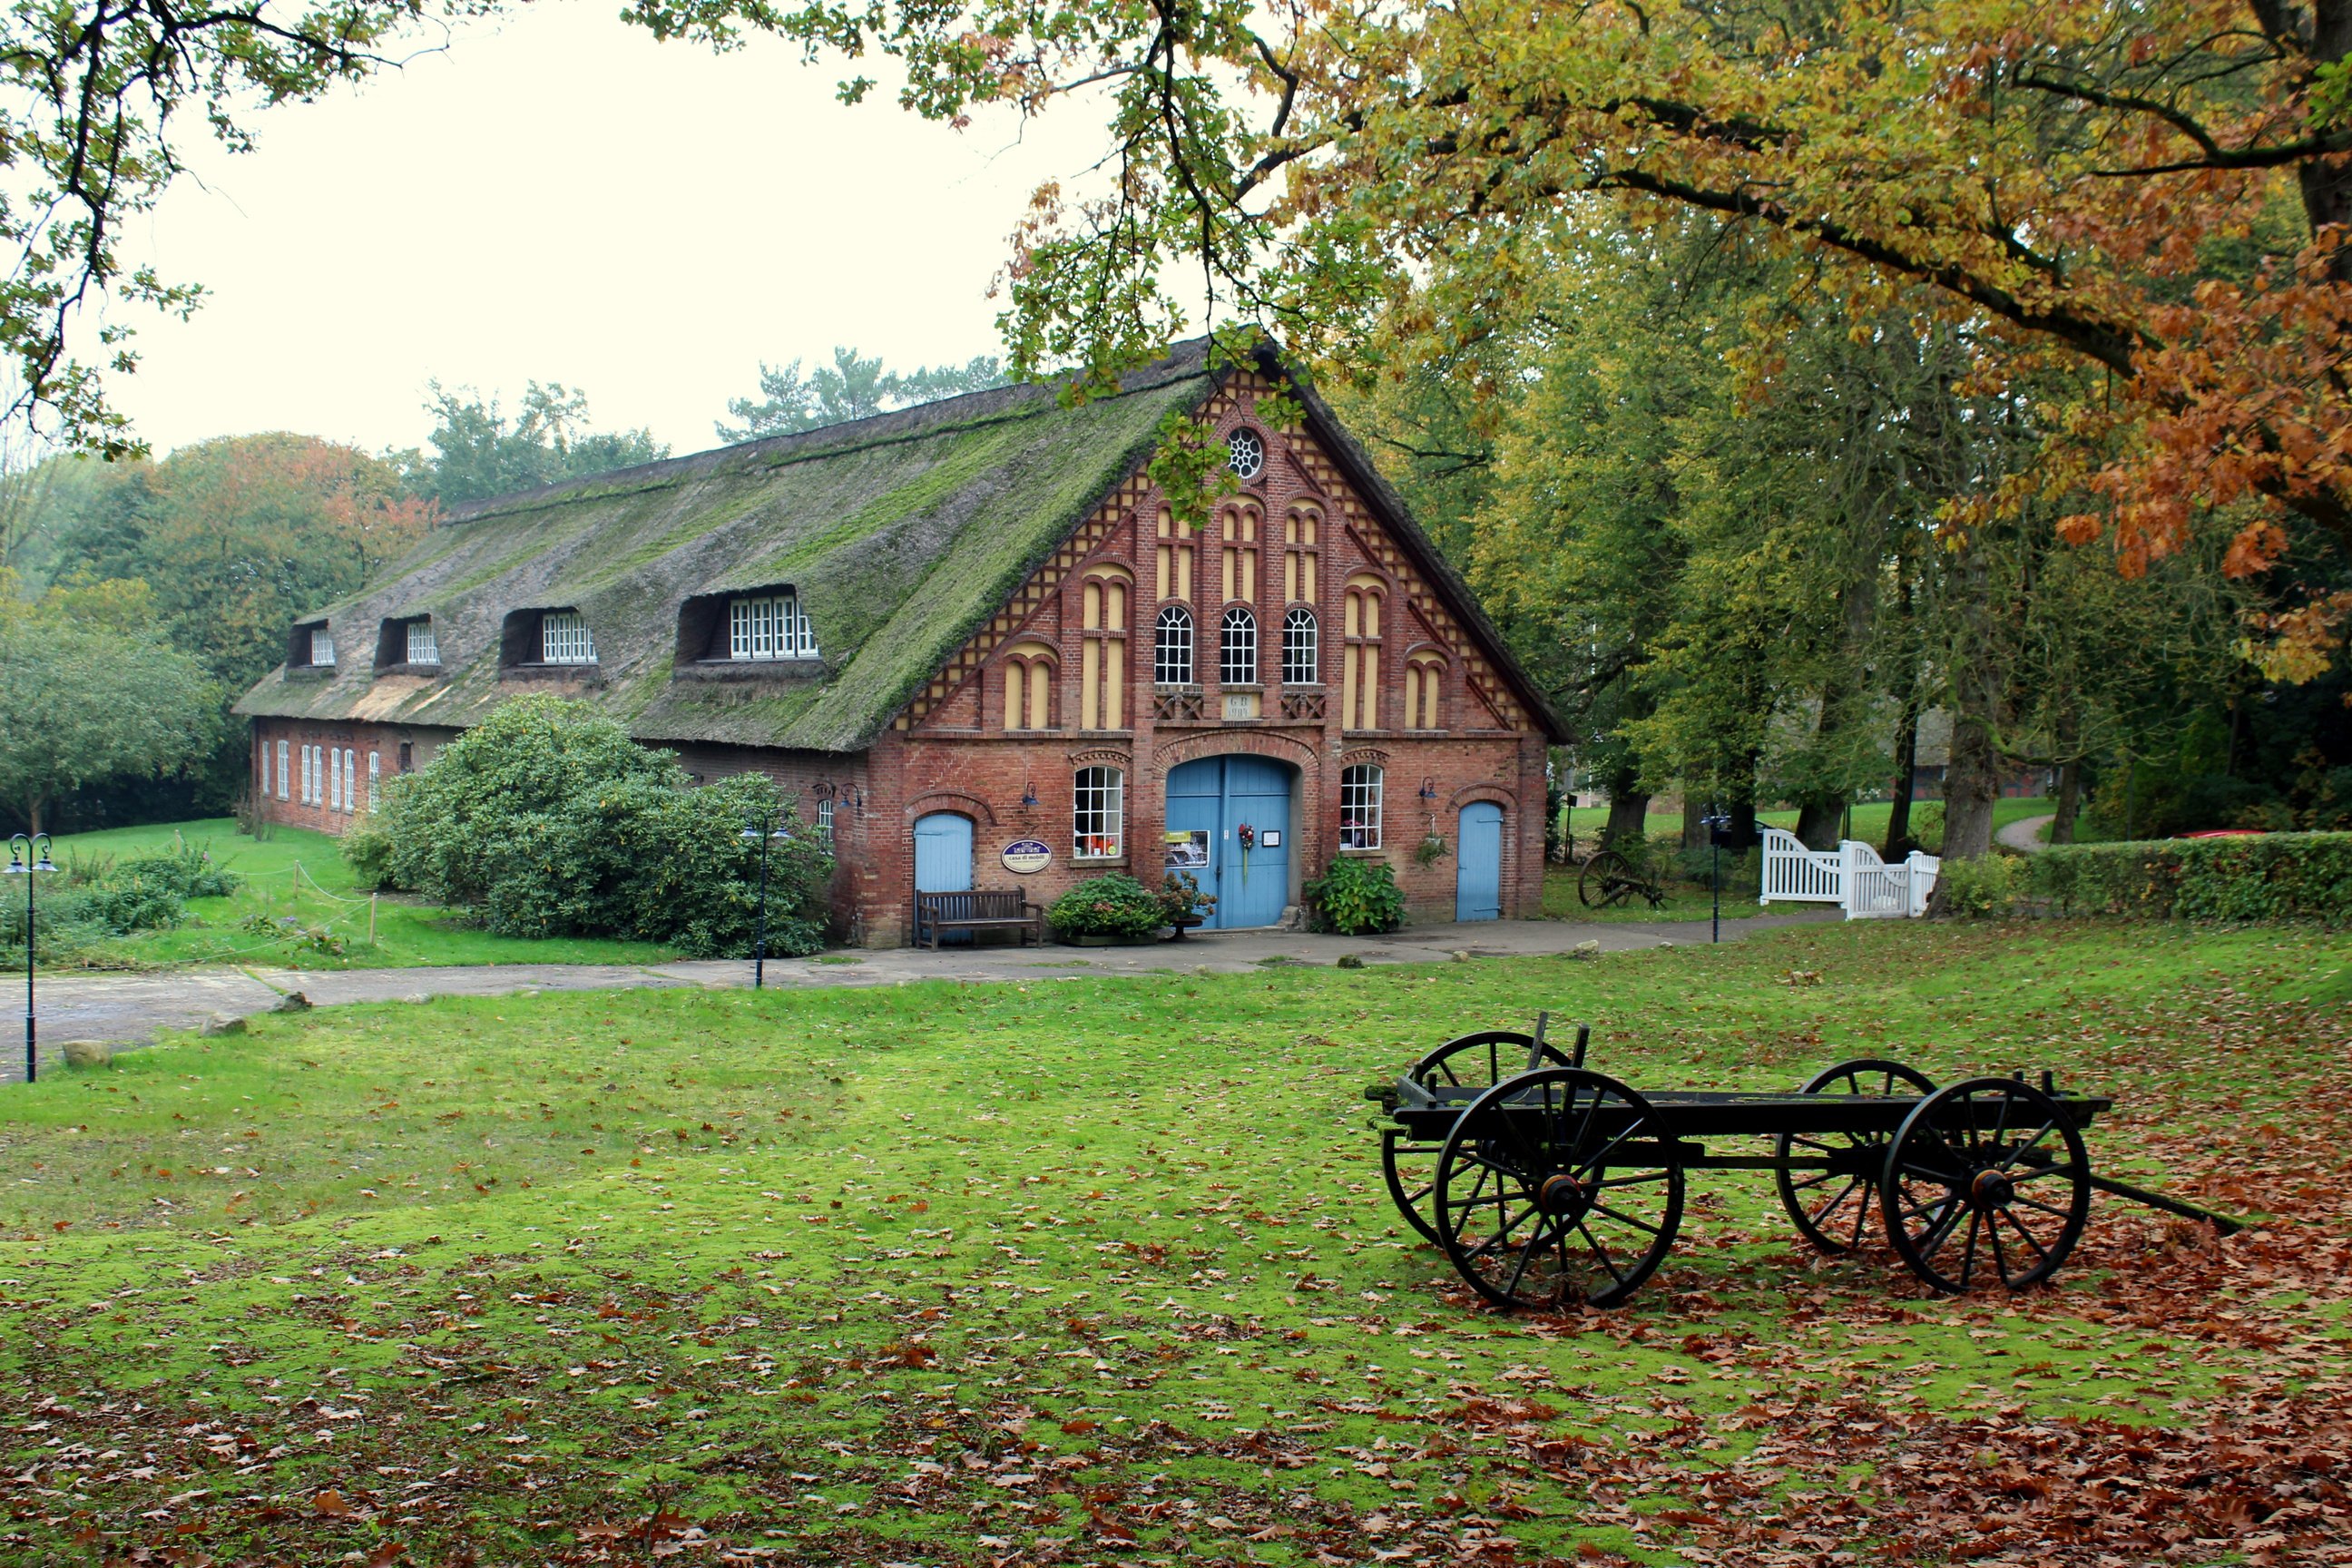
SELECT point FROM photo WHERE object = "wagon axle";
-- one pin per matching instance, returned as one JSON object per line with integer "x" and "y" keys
{"x": 1548, "y": 1185}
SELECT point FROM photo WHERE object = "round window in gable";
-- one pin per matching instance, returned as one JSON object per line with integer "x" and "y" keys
{"x": 1246, "y": 452}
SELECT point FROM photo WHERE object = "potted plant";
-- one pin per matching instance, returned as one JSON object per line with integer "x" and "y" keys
{"x": 1183, "y": 903}
{"x": 1105, "y": 912}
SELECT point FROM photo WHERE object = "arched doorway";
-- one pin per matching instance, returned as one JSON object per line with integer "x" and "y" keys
{"x": 1210, "y": 802}
{"x": 1479, "y": 862}
{"x": 943, "y": 859}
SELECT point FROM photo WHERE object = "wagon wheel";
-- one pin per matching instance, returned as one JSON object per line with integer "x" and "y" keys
{"x": 1606, "y": 880}
{"x": 1986, "y": 1177}
{"x": 1478, "y": 1062}
{"x": 1831, "y": 1208}
{"x": 1555, "y": 1187}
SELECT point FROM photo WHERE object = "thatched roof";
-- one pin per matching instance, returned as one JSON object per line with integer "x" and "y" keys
{"x": 901, "y": 534}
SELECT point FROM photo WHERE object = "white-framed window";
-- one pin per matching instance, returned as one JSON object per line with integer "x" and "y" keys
{"x": 1360, "y": 806}
{"x": 1246, "y": 452}
{"x": 322, "y": 646}
{"x": 563, "y": 638}
{"x": 303, "y": 795}
{"x": 375, "y": 759}
{"x": 264, "y": 769}
{"x": 1237, "y": 647}
{"x": 334, "y": 778}
{"x": 282, "y": 784}
{"x": 772, "y": 626}
{"x": 1298, "y": 664}
{"x": 824, "y": 823}
{"x": 350, "y": 782}
{"x": 1099, "y": 815}
{"x": 1171, "y": 648}
{"x": 422, "y": 649}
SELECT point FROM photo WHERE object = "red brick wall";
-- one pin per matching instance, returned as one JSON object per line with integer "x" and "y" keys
{"x": 357, "y": 737}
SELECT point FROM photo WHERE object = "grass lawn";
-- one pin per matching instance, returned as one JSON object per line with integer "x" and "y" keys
{"x": 323, "y": 897}
{"x": 1102, "y": 1271}
{"x": 1869, "y": 818}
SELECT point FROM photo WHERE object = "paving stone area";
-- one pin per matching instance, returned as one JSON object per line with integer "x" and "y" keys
{"x": 126, "y": 1010}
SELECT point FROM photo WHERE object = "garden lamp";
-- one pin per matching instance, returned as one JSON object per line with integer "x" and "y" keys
{"x": 763, "y": 831}
{"x": 27, "y": 855}
{"x": 1716, "y": 821}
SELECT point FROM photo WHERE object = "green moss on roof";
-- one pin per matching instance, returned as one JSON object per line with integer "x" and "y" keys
{"x": 901, "y": 534}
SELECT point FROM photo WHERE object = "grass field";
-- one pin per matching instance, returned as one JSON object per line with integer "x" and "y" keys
{"x": 1869, "y": 818}
{"x": 323, "y": 897}
{"x": 1102, "y": 1271}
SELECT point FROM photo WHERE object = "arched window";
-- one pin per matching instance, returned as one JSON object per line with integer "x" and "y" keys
{"x": 1238, "y": 648}
{"x": 1171, "y": 648}
{"x": 1102, "y": 649}
{"x": 1098, "y": 814}
{"x": 1360, "y": 674}
{"x": 1237, "y": 548}
{"x": 1029, "y": 686}
{"x": 1424, "y": 676}
{"x": 1298, "y": 664}
{"x": 1360, "y": 806}
{"x": 1300, "y": 526}
{"x": 1173, "y": 557}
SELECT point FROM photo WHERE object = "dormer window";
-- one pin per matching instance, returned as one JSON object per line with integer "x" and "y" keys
{"x": 563, "y": 638}
{"x": 310, "y": 646}
{"x": 769, "y": 626}
{"x": 322, "y": 646}
{"x": 421, "y": 647}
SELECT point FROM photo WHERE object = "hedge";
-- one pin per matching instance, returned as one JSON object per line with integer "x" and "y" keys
{"x": 2277, "y": 875}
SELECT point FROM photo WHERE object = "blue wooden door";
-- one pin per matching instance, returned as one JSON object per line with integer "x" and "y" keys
{"x": 943, "y": 859}
{"x": 1218, "y": 797}
{"x": 1478, "y": 863}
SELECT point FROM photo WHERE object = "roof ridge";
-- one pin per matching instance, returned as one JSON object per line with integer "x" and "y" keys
{"x": 1182, "y": 360}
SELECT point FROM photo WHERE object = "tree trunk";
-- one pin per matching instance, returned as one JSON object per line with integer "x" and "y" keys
{"x": 1971, "y": 785}
{"x": 1820, "y": 822}
{"x": 1694, "y": 830}
{"x": 1629, "y": 813}
{"x": 2070, "y": 801}
{"x": 1906, "y": 765}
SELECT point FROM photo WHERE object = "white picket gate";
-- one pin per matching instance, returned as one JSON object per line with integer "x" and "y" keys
{"x": 1851, "y": 876}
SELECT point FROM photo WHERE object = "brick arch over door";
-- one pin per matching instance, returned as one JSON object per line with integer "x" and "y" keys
{"x": 1279, "y": 748}
{"x": 1507, "y": 799}
{"x": 953, "y": 800}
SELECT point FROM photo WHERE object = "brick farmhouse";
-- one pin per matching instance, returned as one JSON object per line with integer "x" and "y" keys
{"x": 958, "y": 628}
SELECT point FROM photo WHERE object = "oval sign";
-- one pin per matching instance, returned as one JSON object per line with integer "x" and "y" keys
{"x": 1026, "y": 854}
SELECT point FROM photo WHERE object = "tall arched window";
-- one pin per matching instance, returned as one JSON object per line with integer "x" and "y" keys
{"x": 1171, "y": 648}
{"x": 1237, "y": 545}
{"x": 1298, "y": 664}
{"x": 1237, "y": 647}
{"x": 1173, "y": 555}
{"x": 1424, "y": 676}
{"x": 1098, "y": 814}
{"x": 1360, "y": 674}
{"x": 1102, "y": 649}
{"x": 1300, "y": 525}
{"x": 1029, "y": 686}
{"x": 1360, "y": 806}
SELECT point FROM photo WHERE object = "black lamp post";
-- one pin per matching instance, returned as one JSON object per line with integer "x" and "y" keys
{"x": 27, "y": 856}
{"x": 764, "y": 831}
{"x": 1717, "y": 822}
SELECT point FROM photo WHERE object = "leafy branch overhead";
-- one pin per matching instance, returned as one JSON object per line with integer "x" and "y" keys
{"x": 2158, "y": 192}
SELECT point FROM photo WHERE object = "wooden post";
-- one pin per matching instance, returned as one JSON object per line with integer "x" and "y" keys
{"x": 371, "y": 920}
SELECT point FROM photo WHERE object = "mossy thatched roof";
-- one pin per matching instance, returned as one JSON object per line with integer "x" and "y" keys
{"x": 902, "y": 534}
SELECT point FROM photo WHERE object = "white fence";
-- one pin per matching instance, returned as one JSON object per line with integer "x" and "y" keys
{"x": 1851, "y": 876}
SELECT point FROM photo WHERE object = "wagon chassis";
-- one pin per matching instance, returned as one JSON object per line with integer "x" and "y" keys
{"x": 1547, "y": 1185}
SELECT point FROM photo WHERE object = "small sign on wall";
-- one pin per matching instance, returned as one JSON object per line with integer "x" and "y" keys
{"x": 1024, "y": 855}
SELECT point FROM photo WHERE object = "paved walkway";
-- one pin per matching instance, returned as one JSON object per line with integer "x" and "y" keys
{"x": 128, "y": 1009}
{"x": 2024, "y": 835}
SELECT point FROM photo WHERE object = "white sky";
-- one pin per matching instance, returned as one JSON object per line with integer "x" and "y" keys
{"x": 563, "y": 198}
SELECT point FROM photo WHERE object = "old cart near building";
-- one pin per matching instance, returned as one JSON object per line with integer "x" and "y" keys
{"x": 983, "y": 650}
{"x": 1550, "y": 1184}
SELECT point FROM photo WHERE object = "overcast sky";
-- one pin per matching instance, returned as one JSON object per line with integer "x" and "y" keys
{"x": 560, "y": 197}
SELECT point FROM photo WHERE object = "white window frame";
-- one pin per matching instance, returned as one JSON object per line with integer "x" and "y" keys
{"x": 1246, "y": 453}
{"x": 375, "y": 759}
{"x": 1361, "y": 784}
{"x": 282, "y": 784}
{"x": 351, "y": 781}
{"x": 421, "y": 647}
{"x": 264, "y": 769}
{"x": 1172, "y": 646}
{"x": 824, "y": 823}
{"x": 767, "y": 627}
{"x": 1098, "y": 813}
{"x": 1301, "y": 663}
{"x": 334, "y": 778}
{"x": 322, "y": 649}
{"x": 1237, "y": 646}
{"x": 564, "y": 639}
{"x": 303, "y": 793}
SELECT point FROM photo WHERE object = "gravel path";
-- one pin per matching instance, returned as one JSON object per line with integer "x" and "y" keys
{"x": 128, "y": 1009}
{"x": 2024, "y": 835}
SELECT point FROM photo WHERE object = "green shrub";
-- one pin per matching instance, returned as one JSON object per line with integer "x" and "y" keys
{"x": 1986, "y": 887}
{"x": 549, "y": 820}
{"x": 1114, "y": 905}
{"x": 2279, "y": 876}
{"x": 1355, "y": 897}
{"x": 87, "y": 903}
{"x": 367, "y": 850}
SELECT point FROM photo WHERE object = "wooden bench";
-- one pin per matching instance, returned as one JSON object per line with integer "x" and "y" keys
{"x": 937, "y": 912}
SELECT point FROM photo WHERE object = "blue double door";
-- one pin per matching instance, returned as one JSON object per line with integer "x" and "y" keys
{"x": 1217, "y": 797}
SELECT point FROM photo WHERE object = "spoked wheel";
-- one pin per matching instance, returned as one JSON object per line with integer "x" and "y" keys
{"x": 1985, "y": 1180}
{"x": 1557, "y": 1187}
{"x": 1831, "y": 1208}
{"x": 1476, "y": 1063}
{"x": 1606, "y": 880}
